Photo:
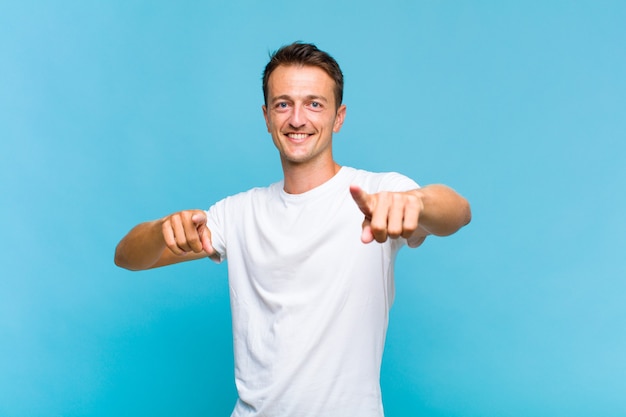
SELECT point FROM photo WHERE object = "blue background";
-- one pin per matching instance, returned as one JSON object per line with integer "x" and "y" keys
{"x": 117, "y": 112}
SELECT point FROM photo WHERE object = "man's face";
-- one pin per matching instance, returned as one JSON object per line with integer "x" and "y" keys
{"x": 301, "y": 114}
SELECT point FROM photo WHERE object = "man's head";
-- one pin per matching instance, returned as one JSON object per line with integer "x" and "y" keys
{"x": 303, "y": 92}
{"x": 305, "y": 54}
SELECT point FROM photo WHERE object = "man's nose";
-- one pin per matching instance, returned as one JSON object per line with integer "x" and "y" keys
{"x": 298, "y": 117}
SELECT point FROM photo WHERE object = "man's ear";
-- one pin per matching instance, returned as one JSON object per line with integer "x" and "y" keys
{"x": 339, "y": 118}
{"x": 265, "y": 116}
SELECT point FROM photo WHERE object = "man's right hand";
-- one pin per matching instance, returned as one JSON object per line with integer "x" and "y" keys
{"x": 186, "y": 231}
{"x": 179, "y": 237}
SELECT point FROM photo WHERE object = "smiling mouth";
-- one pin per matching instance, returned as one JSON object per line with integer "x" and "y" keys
{"x": 297, "y": 136}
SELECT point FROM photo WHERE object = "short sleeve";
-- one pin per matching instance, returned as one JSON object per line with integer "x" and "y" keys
{"x": 392, "y": 181}
{"x": 215, "y": 223}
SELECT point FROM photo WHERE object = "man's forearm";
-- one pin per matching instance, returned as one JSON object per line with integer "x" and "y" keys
{"x": 445, "y": 211}
{"x": 142, "y": 247}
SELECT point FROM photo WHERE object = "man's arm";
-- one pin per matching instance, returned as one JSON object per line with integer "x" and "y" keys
{"x": 179, "y": 237}
{"x": 434, "y": 209}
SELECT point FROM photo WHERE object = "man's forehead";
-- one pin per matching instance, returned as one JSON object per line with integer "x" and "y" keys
{"x": 301, "y": 80}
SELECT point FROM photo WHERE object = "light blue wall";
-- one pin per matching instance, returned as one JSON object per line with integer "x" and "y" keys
{"x": 116, "y": 112}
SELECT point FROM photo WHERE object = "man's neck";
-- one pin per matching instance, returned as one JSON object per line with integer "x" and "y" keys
{"x": 300, "y": 178}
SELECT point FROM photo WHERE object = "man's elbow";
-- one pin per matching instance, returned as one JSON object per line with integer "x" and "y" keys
{"x": 467, "y": 212}
{"x": 464, "y": 215}
{"x": 457, "y": 219}
{"x": 122, "y": 261}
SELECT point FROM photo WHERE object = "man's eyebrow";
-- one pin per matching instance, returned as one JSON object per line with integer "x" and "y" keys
{"x": 309, "y": 98}
{"x": 314, "y": 97}
{"x": 283, "y": 97}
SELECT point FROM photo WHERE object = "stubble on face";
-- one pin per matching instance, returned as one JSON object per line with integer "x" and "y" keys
{"x": 301, "y": 114}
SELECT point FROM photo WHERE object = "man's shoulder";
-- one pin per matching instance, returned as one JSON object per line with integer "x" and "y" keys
{"x": 372, "y": 181}
{"x": 253, "y": 193}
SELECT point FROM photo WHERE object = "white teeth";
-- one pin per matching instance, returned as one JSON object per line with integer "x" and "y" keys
{"x": 298, "y": 135}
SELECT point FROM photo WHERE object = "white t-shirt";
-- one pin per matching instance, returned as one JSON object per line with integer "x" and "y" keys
{"x": 309, "y": 300}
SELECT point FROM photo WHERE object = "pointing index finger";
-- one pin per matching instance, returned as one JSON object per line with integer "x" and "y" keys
{"x": 199, "y": 218}
{"x": 361, "y": 198}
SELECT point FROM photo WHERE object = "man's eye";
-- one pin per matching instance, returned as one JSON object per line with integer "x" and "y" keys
{"x": 281, "y": 105}
{"x": 316, "y": 105}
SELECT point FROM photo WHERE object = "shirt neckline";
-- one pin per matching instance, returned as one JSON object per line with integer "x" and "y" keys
{"x": 330, "y": 184}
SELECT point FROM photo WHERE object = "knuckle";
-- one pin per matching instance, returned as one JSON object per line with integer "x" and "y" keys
{"x": 394, "y": 232}
{"x": 385, "y": 197}
{"x": 194, "y": 243}
{"x": 377, "y": 226}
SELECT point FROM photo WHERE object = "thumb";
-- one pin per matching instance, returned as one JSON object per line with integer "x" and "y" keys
{"x": 362, "y": 199}
{"x": 199, "y": 219}
{"x": 205, "y": 237}
{"x": 366, "y": 234}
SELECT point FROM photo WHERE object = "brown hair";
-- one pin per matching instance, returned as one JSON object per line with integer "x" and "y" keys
{"x": 305, "y": 54}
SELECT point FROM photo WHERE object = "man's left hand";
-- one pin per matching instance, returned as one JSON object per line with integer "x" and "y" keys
{"x": 388, "y": 214}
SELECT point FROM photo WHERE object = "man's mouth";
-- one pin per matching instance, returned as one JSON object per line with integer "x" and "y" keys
{"x": 297, "y": 136}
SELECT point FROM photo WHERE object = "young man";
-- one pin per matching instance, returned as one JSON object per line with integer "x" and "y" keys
{"x": 310, "y": 259}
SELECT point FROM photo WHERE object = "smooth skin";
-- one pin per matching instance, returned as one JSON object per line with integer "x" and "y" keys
{"x": 301, "y": 115}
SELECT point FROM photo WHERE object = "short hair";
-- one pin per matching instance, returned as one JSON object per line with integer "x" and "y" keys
{"x": 305, "y": 54}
